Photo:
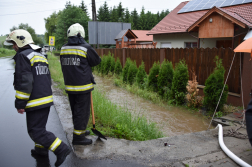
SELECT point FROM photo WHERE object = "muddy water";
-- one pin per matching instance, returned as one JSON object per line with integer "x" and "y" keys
{"x": 171, "y": 120}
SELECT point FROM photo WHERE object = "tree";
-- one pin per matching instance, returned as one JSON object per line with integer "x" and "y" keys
{"x": 113, "y": 15}
{"x": 142, "y": 20}
{"x": 127, "y": 16}
{"x": 50, "y": 25}
{"x": 37, "y": 40}
{"x": 135, "y": 18}
{"x": 213, "y": 88}
{"x": 153, "y": 77}
{"x": 120, "y": 12}
{"x": 69, "y": 16}
{"x": 84, "y": 7}
{"x": 103, "y": 13}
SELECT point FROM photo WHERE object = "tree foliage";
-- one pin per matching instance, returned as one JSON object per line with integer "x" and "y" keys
{"x": 70, "y": 15}
{"x": 141, "y": 76}
{"x": 179, "y": 83}
{"x": 125, "y": 70}
{"x": 165, "y": 77}
{"x": 213, "y": 88}
{"x": 153, "y": 77}
{"x": 132, "y": 71}
{"x": 118, "y": 67}
{"x": 37, "y": 40}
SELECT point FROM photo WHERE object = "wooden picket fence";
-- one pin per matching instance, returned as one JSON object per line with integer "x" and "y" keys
{"x": 201, "y": 61}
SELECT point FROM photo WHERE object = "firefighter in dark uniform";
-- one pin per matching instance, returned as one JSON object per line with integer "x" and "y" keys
{"x": 77, "y": 57}
{"x": 32, "y": 82}
{"x": 248, "y": 117}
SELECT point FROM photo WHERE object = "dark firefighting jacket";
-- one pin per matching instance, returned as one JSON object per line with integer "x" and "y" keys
{"x": 32, "y": 80}
{"x": 77, "y": 57}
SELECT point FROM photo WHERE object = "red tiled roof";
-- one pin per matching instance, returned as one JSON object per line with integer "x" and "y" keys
{"x": 178, "y": 23}
{"x": 141, "y": 34}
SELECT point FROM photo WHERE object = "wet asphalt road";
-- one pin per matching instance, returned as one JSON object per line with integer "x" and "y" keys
{"x": 15, "y": 143}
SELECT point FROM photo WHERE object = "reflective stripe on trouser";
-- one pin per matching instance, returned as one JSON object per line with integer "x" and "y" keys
{"x": 39, "y": 102}
{"x": 38, "y": 145}
{"x": 79, "y": 132}
{"x": 79, "y": 88}
{"x": 36, "y": 126}
{"x": 22, "y": 95}
{"x": 55, "y": 144}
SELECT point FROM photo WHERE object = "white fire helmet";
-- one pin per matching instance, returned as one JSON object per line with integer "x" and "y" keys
{"x": 20, "y": 37}
{"x": 74, "y": 29}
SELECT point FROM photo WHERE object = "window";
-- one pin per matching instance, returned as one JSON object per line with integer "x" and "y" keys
{"x": 165, "y": 44}
{"x": 191, "y": 44}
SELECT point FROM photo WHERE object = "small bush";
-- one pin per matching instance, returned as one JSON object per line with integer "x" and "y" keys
{"x": 153, "y": 77}
{"x": 6, "y": 52}
{"x": 118, "y": 67}
{"x": 125, "y": 70}
{"x": 132, "y": 71}
{"x": 106, "y": 64}
{"x": 213, "y": 88}
{"x": 193, "y": 100}
{"x": 165, "y": 78}
{"x": 141, "y": 76}
{"x": 179, "y": 83}
{"x": 112, "y": 64}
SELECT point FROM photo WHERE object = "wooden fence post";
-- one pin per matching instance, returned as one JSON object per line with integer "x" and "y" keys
{"x": 162, "y": 55}
{"x": 123, "y": 50}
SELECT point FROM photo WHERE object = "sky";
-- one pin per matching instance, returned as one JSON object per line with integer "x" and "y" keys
{"x": 14, "y": 12}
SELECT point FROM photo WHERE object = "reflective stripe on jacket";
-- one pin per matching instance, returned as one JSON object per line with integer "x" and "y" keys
{"x": 32, "y": 80}
{"x": 77, "y": 57}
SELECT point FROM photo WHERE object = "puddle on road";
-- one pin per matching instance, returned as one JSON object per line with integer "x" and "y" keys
{"x": 171, "y": 120}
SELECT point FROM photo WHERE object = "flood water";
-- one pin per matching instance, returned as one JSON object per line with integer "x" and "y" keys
{"x": 171, "y": 120}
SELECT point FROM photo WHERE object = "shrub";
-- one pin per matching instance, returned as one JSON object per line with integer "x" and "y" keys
{"x": 132, "y": 71}
{"x": 6, "y": 52}
{"x": 153, "y": 77}
{"x": 165, "y": 78}
{"x": 193, "y": 100}
{"x": 213, "y": 88}
{"x": 125, "y": 70}
{"x": 179, "y": 83}
{"x": 112, "y": 64}
{"x": 118, "y": 67}
{"x": 106, "y": 64}
{"x": 141, "y": 76}
{"x": 102, "y": 64}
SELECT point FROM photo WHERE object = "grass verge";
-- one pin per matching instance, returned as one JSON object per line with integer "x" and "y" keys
{"x": 6, "y": 52}
{"x": 111, "y": 120}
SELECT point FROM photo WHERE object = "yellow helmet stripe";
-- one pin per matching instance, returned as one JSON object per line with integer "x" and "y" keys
{"x": 55, "y": 144}
{"x": 39, "y": 102}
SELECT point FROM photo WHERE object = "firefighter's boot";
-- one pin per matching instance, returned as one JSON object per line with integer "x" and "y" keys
{"x": 39, "y": 151}
{"x": 61, "y": 152}
{"x": 81, "y": 139}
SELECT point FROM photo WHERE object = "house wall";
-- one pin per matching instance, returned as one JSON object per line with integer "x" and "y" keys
{"x": 177, "y": 40}
{"x": 210, "y": 42}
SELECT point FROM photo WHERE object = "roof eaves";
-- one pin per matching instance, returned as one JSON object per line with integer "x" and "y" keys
{"x": 222, "y": 12}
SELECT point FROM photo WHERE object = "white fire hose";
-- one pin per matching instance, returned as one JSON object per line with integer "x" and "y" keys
{"x": 227, "y": 151}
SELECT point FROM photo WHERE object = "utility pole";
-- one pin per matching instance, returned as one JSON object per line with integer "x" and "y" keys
{"x": 93, "y": 10}
{"x": 94, "y": 19}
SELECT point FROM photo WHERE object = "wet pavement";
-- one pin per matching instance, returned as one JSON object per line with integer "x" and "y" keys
{"x": 15, "y": 143}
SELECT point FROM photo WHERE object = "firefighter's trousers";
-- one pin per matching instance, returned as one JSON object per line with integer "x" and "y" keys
{"x": 80, "y": 106}
{"x": 36, "y": 126}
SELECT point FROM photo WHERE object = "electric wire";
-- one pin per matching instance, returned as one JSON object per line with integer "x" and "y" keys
{"x": 32, "y": 12}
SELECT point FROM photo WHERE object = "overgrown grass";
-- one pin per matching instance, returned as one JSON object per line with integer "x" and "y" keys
{"x": 6, "y": 52}
{"x": 111, "y": 120}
